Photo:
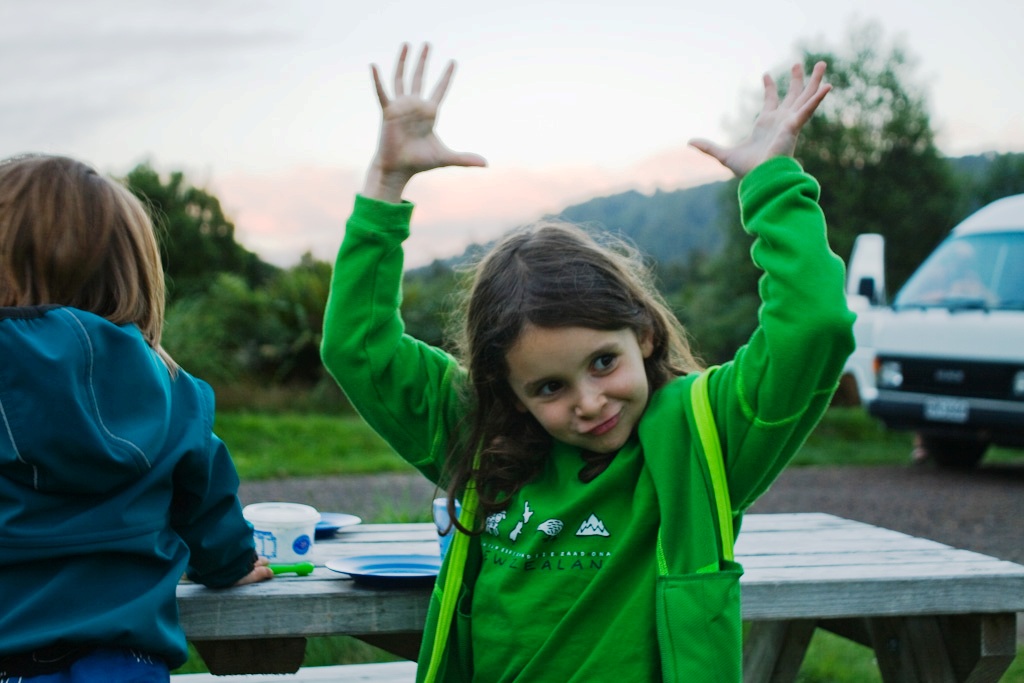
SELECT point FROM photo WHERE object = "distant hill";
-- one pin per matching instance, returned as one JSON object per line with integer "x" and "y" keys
{"x": 667, "y": 226}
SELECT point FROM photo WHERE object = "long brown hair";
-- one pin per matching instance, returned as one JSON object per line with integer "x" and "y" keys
{"x": 551, "y": 274}
{"x": 72, "y": 237}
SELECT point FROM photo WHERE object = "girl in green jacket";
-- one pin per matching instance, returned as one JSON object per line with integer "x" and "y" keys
{"x": 591, "y": 546}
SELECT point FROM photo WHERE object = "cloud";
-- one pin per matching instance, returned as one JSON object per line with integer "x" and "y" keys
{"x": 282, "y": 216}
{"x": 74, "y": 84}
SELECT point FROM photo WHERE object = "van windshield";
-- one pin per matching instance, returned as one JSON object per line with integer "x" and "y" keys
{"x": 983, "y": 271}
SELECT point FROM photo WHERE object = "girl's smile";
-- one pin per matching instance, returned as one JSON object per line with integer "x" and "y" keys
{"x": 605, "y": 427}
{"x": 586, "y": 387}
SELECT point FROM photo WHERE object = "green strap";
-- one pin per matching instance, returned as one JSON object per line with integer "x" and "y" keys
{"x": 713, "y": 453}
{"x": 708, "y": 435}
{"x": 458, "y": 552}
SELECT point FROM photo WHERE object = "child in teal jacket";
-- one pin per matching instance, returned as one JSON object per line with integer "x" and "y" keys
{"x": 112, "y": 482}
{"x": 566, "y": 427}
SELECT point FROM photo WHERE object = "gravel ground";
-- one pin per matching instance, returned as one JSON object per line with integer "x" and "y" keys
{"x": 374, "y": 498}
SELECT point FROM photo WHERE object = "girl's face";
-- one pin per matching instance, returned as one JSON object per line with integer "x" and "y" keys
{"x": 586, "y": 387}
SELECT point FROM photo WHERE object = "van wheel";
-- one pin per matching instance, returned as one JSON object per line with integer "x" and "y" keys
{"x": 960, "y": 453}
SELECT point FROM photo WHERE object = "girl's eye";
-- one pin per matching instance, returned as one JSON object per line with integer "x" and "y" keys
{"x": 605, "y": 362}
{"x": 549, "y": 389}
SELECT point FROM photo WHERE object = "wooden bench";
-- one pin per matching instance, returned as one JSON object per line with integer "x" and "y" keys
{"x": 392, "y": 672}
{"x": 929, "y": 611}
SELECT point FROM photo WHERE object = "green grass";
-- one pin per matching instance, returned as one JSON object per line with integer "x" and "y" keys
{"x": 832, "y": 659}
{"x": 848, "y": 436}
{"x": 278, "y": 445}
{"x": 269, "y": 446}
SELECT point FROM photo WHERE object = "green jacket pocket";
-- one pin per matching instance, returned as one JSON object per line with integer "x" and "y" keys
{"x": 699, "y": 626}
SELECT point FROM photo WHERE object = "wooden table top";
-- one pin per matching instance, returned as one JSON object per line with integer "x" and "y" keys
{"x": 798, "y": 565}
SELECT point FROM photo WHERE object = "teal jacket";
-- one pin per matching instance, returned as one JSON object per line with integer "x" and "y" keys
{"x": 112, "y": 487}
{"x": 765, "y": 401}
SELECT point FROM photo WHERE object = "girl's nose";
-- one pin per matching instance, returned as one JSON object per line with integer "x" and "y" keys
{"x": 589, "y": 402}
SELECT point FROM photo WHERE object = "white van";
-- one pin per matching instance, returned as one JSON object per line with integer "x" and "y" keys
{"x": 946, "y": 359}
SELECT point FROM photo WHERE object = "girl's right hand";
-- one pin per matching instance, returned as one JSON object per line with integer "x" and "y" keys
{"x": 408, "y": 144}
{"x": 260, "y": 572}
{"x": 778, "y": 125}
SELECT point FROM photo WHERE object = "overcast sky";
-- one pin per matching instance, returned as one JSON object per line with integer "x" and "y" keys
{"x": 269, "y": 105}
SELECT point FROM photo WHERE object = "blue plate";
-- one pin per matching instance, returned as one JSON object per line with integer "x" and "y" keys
{"x": 330, "y": 522}
{"x": 389, "y": 571}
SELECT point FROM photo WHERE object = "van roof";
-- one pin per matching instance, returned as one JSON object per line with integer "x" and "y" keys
{"x": 1001, "y": 215}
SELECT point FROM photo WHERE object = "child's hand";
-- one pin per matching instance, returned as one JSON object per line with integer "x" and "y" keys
{"x": 408, "y": 144}
{"x": 777, "y": 126}
{"x": 260, "y": 572}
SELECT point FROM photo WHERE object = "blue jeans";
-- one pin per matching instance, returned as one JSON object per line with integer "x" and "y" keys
{"x": 106, "y": 664}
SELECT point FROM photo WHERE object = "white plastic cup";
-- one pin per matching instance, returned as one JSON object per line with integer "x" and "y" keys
{"x": 283, "y": 532}
{"x": 445, "y": 531}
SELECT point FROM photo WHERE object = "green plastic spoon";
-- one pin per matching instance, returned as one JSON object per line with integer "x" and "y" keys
{"x": 300, "y": 568}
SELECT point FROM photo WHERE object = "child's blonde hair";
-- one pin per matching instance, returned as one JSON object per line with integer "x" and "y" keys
{"x": 552, "y": 275}
{"x": 72, "y": 237}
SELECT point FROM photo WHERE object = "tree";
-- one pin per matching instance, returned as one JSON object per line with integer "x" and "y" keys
{"x": 196, "y": 238}
{"x": 298, "y": 297}
{"x": 233, "y": 333}
{"x": 223, "y": 333}
{"x": 871, "y": 147}
{"x": 427, "y": 300}
{"x": 1005, "y": 177}
{"x": 231, "y": 317}
{"x": 718, "y": 304}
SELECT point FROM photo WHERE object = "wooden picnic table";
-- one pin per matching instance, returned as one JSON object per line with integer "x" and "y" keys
{"x": 930, "y": 612}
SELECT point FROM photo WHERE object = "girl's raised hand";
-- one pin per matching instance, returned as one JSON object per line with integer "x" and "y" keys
{"x": 777, "y": 126}
{"x": 408, "y": 144}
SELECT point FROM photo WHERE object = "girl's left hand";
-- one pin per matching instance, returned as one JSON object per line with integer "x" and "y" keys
{"x": 778, "y": 125}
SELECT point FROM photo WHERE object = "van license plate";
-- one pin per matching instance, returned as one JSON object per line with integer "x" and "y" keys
{"x": 946, "y": 410}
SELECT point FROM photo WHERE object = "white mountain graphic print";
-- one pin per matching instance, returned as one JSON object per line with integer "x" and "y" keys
{"x": 592, "y": 527}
